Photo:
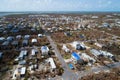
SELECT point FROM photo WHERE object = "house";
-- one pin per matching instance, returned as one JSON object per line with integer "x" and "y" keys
{"x": 88, "y": 58}
{"x": 27, "y": 37}
{"x": 15, "y": 30}
{"x": 15, "y": 43}
{"x": 2, "y": 39}
{"x": 10, "y": 26}
{"x": 25, "y": 42}
{"x": 99, "y": 45}
{"x": 96, "y": 52}
{"x": 107, "y": 54}
{"x": 34, "y": 41}
{"x": 44, "y": 50}
{"x": 52, "y": 63}
{"x": 6, "y": 43}
{"x": 10, "y": 38}
{"x": 106, "y": 25}
{"x": 78, "y": 46}
{"x": 94, "y": 17}
{"x": 34, "y": 52}
{"x": 33, "y": 67}
{"x": 67, "y": 33}
{"x": 81, "y": 36}
{"x": 33, "y": 29}
{"x": 40, "y": 35}
{"x": 65, "y": 48}
{"x": 23, "y": 53}
{"x": 1, "y": 30}
{"x": 76, "y": 58}
{"x": 18, "y": 37}
{"x": 23, "y": 71}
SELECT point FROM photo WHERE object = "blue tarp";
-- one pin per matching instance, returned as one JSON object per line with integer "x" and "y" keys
{"x": 75, "y": 55}
{"x": 71, "y": 66}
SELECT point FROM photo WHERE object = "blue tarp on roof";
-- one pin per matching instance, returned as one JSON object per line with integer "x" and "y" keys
{"x": 75, "y": 56}
{"x": 71, "y": 66}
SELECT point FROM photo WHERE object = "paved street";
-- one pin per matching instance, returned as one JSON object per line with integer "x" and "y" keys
{"x": 67, "y": 75}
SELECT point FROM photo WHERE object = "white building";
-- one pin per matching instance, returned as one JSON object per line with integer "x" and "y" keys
{"x": 85, "y": 56}
{"x": 23, "y": 71}
{"x": 65, "y": 48}
{"x": 33, "y": 52}
{"x": 44, "y": 50}
{"x": 52, "y": 63}
{"x": 34, "y": 41}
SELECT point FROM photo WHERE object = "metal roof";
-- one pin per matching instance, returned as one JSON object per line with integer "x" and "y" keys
{"x": 23, "y": 70}
{"x": 95, "y": 52}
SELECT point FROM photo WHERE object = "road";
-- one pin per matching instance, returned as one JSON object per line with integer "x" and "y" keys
{"x": 67, "y": 75}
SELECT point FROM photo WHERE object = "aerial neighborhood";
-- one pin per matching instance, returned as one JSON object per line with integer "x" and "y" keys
{"x": 58, "y": 46}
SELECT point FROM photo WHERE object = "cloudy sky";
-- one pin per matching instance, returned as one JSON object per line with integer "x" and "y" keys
{"x": 59, "y": 5}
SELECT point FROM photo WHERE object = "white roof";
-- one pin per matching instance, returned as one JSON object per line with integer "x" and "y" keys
{"x": 95, "y": 52}
{"x": 39, "y": 35}
{"x": 87, "y": 56}
{"x": 34, "y": 40}
{"x": 53, "y": 66}
{"x": 2, "y": 38}
{"x": 23, "y": 70}
{"x": 105, "y": 53}
{"x": 33, "y": 51}
{"x": 77, "y": 42}
{"x": 18, "y": 36}
{"x": 44, "y": 49}
{"x": 23, "y": 53}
